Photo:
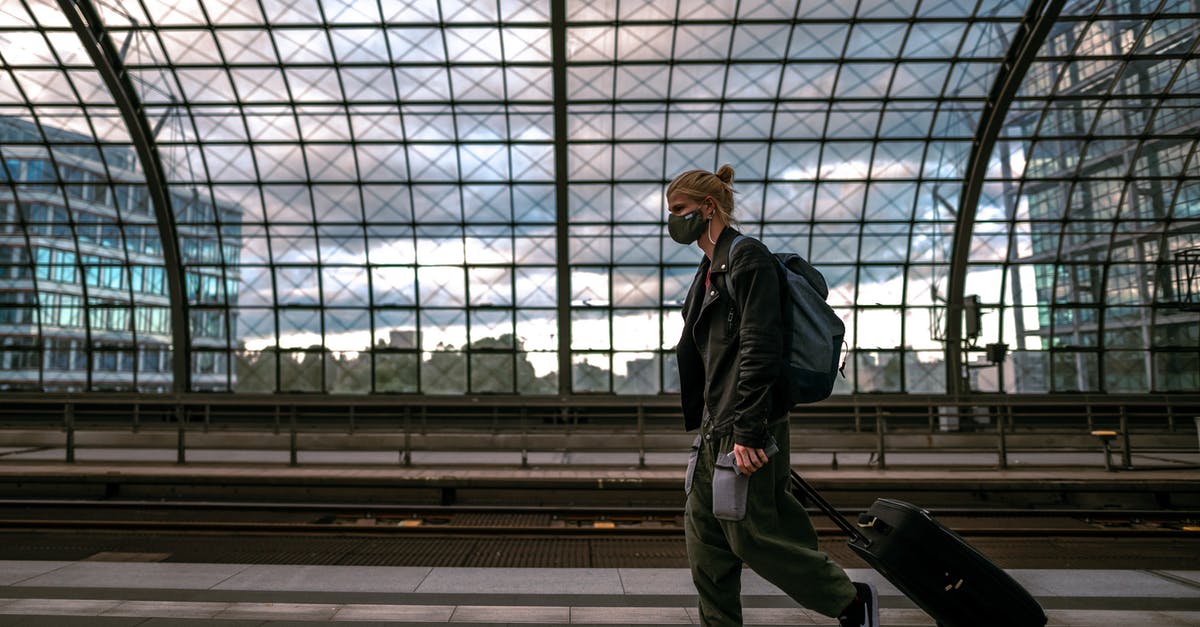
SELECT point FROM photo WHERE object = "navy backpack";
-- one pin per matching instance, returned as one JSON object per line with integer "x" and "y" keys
{"x": 813, "y": 341}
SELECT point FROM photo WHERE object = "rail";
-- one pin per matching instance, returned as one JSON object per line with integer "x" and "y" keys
{"x": 876, "y": 424}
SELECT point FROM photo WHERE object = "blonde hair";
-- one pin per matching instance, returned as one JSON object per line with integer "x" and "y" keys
{"x": 700, "y": 184}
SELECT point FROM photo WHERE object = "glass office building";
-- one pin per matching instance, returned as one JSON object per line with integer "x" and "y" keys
{"x": 85, "y": 304}
{"x": 452, "y": 197}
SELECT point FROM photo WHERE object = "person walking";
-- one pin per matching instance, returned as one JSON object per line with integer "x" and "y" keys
{"x": 730, "y": 359}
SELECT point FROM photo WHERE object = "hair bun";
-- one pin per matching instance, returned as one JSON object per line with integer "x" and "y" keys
{"x": 725, "y": 173}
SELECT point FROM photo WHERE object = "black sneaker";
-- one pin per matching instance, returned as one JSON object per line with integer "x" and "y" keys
{"x": 863, "y": 611}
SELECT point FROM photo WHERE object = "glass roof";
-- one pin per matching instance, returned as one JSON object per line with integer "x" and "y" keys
{"x": 367, "y": 199}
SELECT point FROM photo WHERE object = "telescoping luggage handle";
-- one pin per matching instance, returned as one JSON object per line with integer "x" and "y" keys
{"x": 856, "y": 536}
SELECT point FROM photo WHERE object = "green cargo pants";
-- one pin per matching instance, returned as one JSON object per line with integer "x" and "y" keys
{"x": 776, "y": 539}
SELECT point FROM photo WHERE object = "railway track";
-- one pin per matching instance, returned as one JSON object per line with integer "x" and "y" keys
{"x": 426, "y": 520}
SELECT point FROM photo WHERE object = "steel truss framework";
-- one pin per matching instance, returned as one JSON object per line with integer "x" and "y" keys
{"x": 453, "y": 197}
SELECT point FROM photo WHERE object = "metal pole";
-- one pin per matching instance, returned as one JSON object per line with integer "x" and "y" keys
{"x": 558, "y": 56}
{"x": 880, "y": 429}
{"x": 292, "y": 437}
{"x": 524, "y": 438}
{"x": 641, "y": 428}
{"x": 69, "y": 424}
{"x": 407, "y": 457}
{"x": 1126, "y": 454}
{"x": 180, "y": 435}
{"x": 1000, "y": 430}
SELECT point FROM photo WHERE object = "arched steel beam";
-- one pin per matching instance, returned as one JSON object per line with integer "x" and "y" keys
{"x": 86, "y": 22}
{"x": 1039, "y": 18}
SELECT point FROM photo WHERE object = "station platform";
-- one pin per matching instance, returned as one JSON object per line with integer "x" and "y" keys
{"x": 123, "y": 589}
{"x": 35, "y": 593}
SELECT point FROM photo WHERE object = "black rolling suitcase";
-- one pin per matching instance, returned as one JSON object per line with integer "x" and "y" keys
{"x": 932, "y": 565}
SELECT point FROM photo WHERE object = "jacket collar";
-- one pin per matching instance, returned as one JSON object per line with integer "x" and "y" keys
{"x": 720, "y": 258}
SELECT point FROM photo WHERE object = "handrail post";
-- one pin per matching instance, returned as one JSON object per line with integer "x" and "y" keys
{"x": 352, "y": 425}
{"x": 407, "y": 457}
{"x": 880, "y": 429}
{"x": 1090, "y": 418}
{"x": 276, "y": 426}
{"x": 207, "y": 416}
{"x": 641, "y": 427}
{"x": 292, "y": 461}
{"x": 137, "y": 416}
{"x": 524, "y": 437}
{"x": 180, "y": 435}
{"x": 69, "y": 426}
{"x": 1000, "y": 430}
{"x": 1126, "y": 454}
{"x": 566, "y": 418}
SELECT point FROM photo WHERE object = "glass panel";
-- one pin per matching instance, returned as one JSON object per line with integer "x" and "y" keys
{"x": 396, "y": 372}
{"x": 444, "y": 372}
{"x": 878, "y": 371}
{"x": 591, "y": 372}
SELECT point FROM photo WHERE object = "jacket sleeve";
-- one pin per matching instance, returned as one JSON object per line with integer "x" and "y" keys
{"x": 760, "y": 354}
{"x": 688, "y": 362}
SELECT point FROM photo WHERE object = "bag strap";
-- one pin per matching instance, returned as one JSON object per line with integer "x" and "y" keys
{"x": 807, "y": 491}
{"x": 729, "y": 275}
{"x": 785, "y": 312}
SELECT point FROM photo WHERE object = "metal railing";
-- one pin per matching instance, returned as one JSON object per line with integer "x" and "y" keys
{"x": 875, "y": 424}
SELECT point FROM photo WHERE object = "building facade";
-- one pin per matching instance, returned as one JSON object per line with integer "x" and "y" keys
{"x": 83, "y": 301}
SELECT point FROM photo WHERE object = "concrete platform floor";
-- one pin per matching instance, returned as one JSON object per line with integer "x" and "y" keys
{"x": 34, "y": 593}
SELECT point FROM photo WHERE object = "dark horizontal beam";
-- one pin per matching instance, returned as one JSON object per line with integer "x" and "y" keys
{"x": 669, "y": 401}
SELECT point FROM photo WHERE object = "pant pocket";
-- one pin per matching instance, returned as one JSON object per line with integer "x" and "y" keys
{"x": 730, "y": 489}
{"x": 691, "y": 468}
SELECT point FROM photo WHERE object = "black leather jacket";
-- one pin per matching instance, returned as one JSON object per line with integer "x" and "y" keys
{"x": 731, "y": 353}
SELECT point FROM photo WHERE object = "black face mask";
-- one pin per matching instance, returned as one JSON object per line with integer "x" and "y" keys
{"x": 686, "y": 229}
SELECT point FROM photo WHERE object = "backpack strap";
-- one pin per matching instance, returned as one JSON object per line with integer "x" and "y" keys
{"x": 729, "y": 275}
{"x": 737, "y": 240}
